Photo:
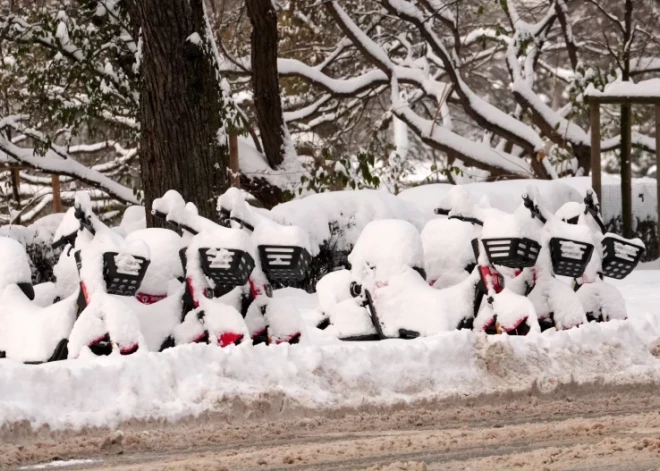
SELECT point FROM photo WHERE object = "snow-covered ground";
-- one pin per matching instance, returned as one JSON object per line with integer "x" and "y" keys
{"x": 323, "y": 373}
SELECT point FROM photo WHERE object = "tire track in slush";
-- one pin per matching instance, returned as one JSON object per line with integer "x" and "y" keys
{"x": 578, "y": 428}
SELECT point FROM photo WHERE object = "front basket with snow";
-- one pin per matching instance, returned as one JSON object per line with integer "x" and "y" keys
{"x": 569, "y": 257}
{"x": 123, "y": 272}
{"x": 285, "y": 264}
{"x": 226, "y": 267}
{"x": 620, "y": 257}
{"x": 512, "y": 252}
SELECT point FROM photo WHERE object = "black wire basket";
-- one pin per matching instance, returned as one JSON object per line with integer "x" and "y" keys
{"x": 285, "y": 264}
{"x": 512, "y": 252}
{"x": 570, "y": 257}
{"x": 123, "y": 277}
{"x": 226, "y": 267}
{"x": 620, "y": 257}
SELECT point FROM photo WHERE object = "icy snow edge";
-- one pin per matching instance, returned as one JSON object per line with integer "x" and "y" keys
{"x": 193, "y": 379}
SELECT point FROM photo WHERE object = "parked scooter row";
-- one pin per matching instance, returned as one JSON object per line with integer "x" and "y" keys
{"x": 479, "y": 268}
{"x": 151, "y": 290}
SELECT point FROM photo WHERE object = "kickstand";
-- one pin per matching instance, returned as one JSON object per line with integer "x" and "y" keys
{"x": 372, "y": 313}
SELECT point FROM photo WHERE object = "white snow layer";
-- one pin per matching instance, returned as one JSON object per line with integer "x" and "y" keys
{"x": 645, "y": 88}
{"x": 348, "y": 211}
{"x": 503, "y": 195}
{"x": 193, "y": 379}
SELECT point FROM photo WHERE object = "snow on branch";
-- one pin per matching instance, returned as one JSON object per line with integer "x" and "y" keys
{"x": 485, "y": 114}
{"x": 474, "y": 154}
{"x": 57, "y": 160}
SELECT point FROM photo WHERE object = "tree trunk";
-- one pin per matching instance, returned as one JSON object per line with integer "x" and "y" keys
{"x": 265, "y": 80}
{"x": 181, "y": 106}
{"x": 626, "y": 127}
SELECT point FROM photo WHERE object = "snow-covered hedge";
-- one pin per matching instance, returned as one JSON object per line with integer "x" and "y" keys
{"x": 506, "y": 195}
{"x": 37, "y": 239}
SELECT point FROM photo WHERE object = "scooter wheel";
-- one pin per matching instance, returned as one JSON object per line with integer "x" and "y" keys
{"x": 355, "y": 289}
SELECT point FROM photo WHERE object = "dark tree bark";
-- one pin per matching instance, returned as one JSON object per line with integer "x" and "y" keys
{"x": 181, "y": 105}
{"x": 265, "y": 80}
{"x": 626, "y": 127}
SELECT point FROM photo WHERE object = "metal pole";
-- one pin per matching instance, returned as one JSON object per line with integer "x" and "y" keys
{"x": 657, "y": 168}
{"x": 57, "y": 197}
{"x": 594, "y": 112}
{"x": 234, "y": 166}
{"x": 626, "y": 170}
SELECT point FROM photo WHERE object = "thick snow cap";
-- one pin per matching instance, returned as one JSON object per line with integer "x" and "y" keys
{"x": 569, "y": 210}
{"x": 447, "y": 247}
{"x": 134, "y": 219}
{"x": 15, "y": 263}
{"x": 165, "y": 263}
{"x": 171, "y": 203}
{"x": 389, "y": 246}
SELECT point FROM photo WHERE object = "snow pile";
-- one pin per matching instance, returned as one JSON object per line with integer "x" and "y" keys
{"x": 194, "y": 379}
{"x": 386, "y": 248}
{"x": 340, "y": 216}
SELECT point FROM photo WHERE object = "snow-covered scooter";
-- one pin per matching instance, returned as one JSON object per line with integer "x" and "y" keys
{"x": 614, "y": 257}
{"x": 238, "y": 281}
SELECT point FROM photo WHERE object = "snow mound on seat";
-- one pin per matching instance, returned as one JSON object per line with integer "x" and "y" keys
{"x": 28, "y": 332}
{"x": 408, "y": 302}
{"x": 386, "y": 247}
{"x": 447, "y": 250}
{"x": 133, "y": 219}
{"x": 165, "y": 264}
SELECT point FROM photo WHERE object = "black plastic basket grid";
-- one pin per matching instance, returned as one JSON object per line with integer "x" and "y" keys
{"x": 512, "y": 252}
{"x": 284, "y": 264}
{"x": 570, "y": 257}
{"x": 123, "y": 284}
{"x": 620, "y": 257}
{"x": 233, "y": 270}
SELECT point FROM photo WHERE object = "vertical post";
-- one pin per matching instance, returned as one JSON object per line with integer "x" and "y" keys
{"x": 594, "y": 112}
{"x": 57, "y": 197}
{"x": 626, "y": 170}
{"x": 657, "y": 168}
{"x": 16, "y": 186}
{"x": 233, "y": 161}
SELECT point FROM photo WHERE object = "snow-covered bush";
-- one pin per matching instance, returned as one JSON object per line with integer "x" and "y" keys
{"x": 37, "y": 239}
